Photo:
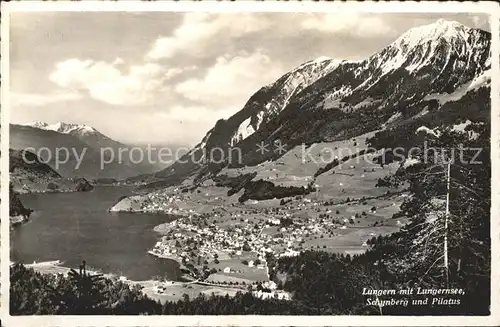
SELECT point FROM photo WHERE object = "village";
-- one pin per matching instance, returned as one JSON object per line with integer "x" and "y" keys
{"x": 230, "y": 245}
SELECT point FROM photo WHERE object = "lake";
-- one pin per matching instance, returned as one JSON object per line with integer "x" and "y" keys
{"x": 72, "y": 227}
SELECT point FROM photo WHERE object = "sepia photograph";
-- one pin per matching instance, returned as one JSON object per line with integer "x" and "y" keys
{"x": 253, "y": 163}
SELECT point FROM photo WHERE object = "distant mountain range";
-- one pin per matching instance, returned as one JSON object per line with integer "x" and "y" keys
{"x": 77, "y": 139}
{"x": 431, "y": 75}
{"x": 85, "y": 133}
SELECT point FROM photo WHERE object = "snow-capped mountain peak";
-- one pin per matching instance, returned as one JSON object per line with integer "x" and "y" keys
{"x": 431, "y": 45}
{"x": 85, "y": 133}
{"x": 440, "y": 30}
{"x": 65, "y": 128}
{"x": 282, "y": 90}
{"x": 37, "y": 124}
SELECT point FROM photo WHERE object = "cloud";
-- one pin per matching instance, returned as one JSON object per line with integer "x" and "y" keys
{"x": 197, "y": 30}
{"x": 480, "y": 21}
{"x": 106, "y": 82}
{"x": 231, "y": 80}
{"x": 39, "y": 100}
{"x": 359, "y": 25}
{"x": 118, "y": 61}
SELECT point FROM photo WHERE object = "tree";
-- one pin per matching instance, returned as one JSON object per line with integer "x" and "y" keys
{"x": 78, "y": 293}
{"x": 246, "y": 247}
{"x": 89, "y": 294}
{"x": 447, "y": 241}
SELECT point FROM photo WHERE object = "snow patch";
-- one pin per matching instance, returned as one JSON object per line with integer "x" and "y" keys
{"x": 427, "y": 130}
{"x": 244, "y": 130}
{"x": 460, "y": 128}
{"x": 483, "y": 79}
{"x": 410, "y": 162}
{"x": 392, "y": 119}
{"x": 425, "y": 111}
{"x": 260, "y": 118}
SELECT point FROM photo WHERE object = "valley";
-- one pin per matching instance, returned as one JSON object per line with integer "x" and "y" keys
{"x": 333, "y": 191}
{"x": 221, "y": 239}
{"x": 327, "y": 187}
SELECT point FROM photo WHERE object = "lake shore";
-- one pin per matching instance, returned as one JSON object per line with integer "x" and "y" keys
{"x": 73, "y": 222}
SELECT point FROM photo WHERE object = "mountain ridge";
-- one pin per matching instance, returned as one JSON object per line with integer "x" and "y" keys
{"x": 77, "y": 140}
{"x": 349, "y": 98}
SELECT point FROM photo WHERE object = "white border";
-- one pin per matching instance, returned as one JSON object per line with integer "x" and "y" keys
{"x": 271, "y": 6}
{"x": 4, "y": 165}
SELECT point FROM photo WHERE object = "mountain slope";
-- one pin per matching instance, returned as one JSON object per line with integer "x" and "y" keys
{"x": 85, "y": 133}
{"x": 27, "y": 174}
{"x": 339, "y": 100}
{"x": 77, "y": 139}
{"x": 49, "y": 143}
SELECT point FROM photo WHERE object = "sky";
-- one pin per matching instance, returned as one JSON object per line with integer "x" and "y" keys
{"x": 167, "y": 77}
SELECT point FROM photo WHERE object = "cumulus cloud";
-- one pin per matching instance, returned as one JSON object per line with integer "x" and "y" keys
{"x": 39, "y": 100}
{"x": 231, "y": 80}
{"x": 194, "y": 68}
{"x": 199, "y": 29}
{"x": 359, "y": 25}
{"x": 106, "y": 82}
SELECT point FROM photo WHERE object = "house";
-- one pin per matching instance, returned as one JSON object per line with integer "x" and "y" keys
{"x": 250, "y": 263}
{"x": 281, "y": 295}
{"x": 227, "y": 270}
{"x": 274, "y": 221}
{"x": 289, "y": 253}
{"x": 270, "y": 285}
{"x": 262, "y": 295}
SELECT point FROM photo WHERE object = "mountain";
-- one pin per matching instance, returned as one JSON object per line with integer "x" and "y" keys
{"x": 27, "y": 174}
{"x": 77, "y": 139}
{"x": 85, "y": 133}
{"x": 441, "y": 70}
{"x": 269, "y": 101}
{"x": 27, "y": 165}
{"x": 264, "y": 106}
{"x": 65, "y": 128}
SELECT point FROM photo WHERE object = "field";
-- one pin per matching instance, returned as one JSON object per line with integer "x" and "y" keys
{"x": 239, "y": 272}
{"x": 176, "y": 291}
